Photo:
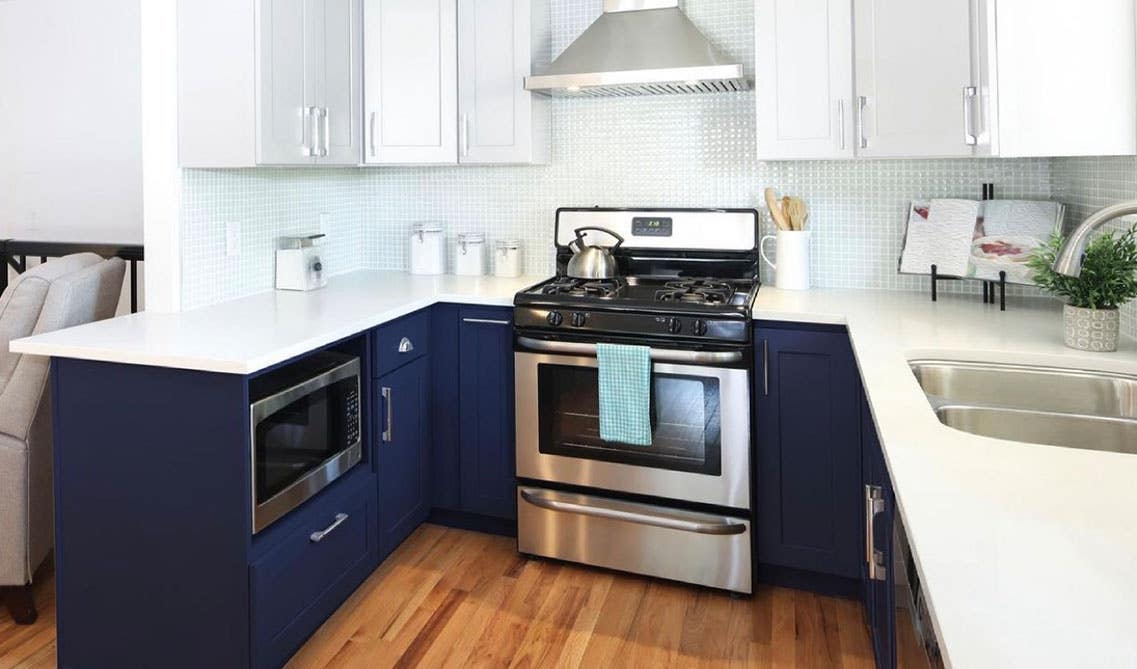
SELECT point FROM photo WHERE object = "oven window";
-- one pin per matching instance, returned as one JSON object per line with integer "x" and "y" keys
{"x": 301, "y": 436}
{"x": 685, "y": 421}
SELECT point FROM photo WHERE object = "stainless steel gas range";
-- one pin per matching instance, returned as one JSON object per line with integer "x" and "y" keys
{"x": 679, "y": 508}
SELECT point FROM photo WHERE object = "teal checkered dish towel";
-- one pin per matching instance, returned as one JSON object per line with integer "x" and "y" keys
{"x": 625, "y": 393}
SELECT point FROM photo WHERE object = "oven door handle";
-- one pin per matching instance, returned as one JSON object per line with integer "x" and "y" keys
{"x": 657, "y": 354}
{"x": 672, "y": 521}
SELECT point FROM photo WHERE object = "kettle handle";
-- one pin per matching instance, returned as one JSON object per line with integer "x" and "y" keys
{"x": 580, "y": 237}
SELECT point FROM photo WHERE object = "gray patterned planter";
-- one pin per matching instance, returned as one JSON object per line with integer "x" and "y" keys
{"x": 1092, "y": 329}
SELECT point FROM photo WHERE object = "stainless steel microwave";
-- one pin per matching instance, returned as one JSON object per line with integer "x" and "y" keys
{"x": 305, "y": 429}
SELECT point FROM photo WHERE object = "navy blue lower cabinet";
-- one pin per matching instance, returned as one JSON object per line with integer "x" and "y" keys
{"x": 152, "y": 490}
{"x": 808, "y": 456}
{"x": 486, "y": 412}
{"x": 877, "y": 575}
{"x": 402, "y": 438}
{"x": 326, "y": 549}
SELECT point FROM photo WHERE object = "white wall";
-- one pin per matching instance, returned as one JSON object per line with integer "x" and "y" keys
{"x": 70, "y": 128}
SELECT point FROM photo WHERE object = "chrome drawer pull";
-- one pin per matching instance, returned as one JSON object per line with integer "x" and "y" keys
{"x": 485, "y": 321}
{"x": 668, "y": 522}
{"x": 874, "y": 506}
{"x": 317, "y": 537}
{"x": 405, "y": 346}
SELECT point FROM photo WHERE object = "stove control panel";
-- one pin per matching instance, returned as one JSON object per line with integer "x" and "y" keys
{"x": 601, "y": 322}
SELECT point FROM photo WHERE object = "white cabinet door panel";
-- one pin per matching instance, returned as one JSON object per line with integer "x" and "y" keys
{"x": 495, "y": 111}
{"x": 410, "y": 79}
{"x": 341, "y": 75}
{"x": 804, "y": 79}
{"x": 913, "y": 64}
{"x": 287, "y": 89}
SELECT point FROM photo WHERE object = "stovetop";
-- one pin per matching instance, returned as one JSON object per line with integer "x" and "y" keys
{"x": 705, "y": 294}
{"x": 704, "y": 309}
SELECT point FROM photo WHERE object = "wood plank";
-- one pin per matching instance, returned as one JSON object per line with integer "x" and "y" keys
{"x": 456, "y": 599}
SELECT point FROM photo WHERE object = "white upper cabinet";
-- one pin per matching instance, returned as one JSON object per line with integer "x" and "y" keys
{"x": 498, "y": 120}
{"x": 914, "y": 78}
{"x": 445, "y": 81}
{"x": 805, "y": 79}
{"x": 411, "y": 81}
{"x": 270, "y": 82}
{"x": 945, "y": 78}
{"x": 1063, "y": 79}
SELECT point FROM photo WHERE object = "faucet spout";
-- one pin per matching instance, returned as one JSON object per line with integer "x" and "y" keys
{"x": 1069, "y": 260}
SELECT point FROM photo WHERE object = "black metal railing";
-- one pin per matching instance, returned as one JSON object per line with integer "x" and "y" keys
{"x": 15, "y": 253}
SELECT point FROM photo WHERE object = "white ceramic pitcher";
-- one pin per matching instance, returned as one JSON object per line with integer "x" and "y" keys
{"x": 792, "y": 269}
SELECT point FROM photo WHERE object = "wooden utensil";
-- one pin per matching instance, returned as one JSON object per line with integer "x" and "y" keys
{"x": 797, "y": 213}
{"x": 776, "y": 212}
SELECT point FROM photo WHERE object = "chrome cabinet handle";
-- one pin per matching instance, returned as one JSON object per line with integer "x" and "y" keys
{"x": 317, "y": 537}
{"x": 326, "y": 125}
{"x": 389, "y": 430}
{"x": 766, "y": 367}
{"x": 969, "y": 95}
{"x": 312, "y": 141}
{"x": 465, "y": 135}
{"x": 862, "y": 141}
{"x": 841, "y": 124}
{"x": 657, "y": 354}
{"x": 874, "y": 506}
{"x": 485, "y": 321}
{"x": 671, "y": 521}
{"x": 371, "y": 139}
{"x": 406, "y": 345}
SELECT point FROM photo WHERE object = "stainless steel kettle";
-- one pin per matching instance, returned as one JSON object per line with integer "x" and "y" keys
{"x": 590, "y": 261}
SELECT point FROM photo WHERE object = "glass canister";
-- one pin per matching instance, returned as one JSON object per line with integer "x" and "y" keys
{"x": 507, "y": 258}
{"x": 471, "y": 257}
{"x": 428, "y": 248}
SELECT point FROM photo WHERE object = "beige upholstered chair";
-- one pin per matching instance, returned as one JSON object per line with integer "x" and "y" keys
{"x": 58, "y": 294}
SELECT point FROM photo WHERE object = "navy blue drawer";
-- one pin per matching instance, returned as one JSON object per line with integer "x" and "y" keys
{"x": 301, "y": 581}
{"x": 391, "y": 351}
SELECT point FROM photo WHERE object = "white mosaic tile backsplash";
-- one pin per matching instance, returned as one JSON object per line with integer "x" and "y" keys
{"x": 652, "y": 151}
{"x": 1087, "y": 184}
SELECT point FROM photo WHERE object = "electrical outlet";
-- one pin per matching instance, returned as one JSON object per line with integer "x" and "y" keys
{"x": 325, "y": 218}
{"x": 232, "y": 239}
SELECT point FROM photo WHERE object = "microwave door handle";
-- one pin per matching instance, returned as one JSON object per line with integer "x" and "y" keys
{"x": 657, "y": 354}
{"x": 389, "y": 427}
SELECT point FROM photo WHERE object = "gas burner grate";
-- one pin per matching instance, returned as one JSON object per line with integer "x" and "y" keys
{"x": 696, "y": 291}
{"x": 584, "y": 287}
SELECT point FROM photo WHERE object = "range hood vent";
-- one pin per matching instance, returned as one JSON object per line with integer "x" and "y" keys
{"x": 639, "y": 47}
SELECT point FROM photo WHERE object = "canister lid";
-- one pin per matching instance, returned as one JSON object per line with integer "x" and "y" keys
{"x": 509, "y": 243}
{"x": 472, "y": 237}
{"x": 427, "y": 226}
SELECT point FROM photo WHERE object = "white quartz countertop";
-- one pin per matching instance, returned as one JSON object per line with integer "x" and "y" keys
{"x": 1028, "y": 553}
{"x": 246, "y": 335}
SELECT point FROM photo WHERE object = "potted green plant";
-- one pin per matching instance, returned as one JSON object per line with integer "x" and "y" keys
{"x": 1108, "y": 280}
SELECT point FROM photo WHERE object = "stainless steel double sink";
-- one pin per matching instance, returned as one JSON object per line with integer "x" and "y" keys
{"x": 1039, "y": 405}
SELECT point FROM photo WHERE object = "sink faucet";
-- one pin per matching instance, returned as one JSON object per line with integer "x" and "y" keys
{"x": 1069, "y": 260}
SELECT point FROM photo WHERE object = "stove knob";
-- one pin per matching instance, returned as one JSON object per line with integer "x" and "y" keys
{"x": 674, "y": 326}
{"x": 700, "y": 328}
{"x": 555, "y": 318}
{"x": 578, "y": 319}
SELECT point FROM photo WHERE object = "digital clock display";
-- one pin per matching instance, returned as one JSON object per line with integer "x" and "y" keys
{"x": 651, "y": 227}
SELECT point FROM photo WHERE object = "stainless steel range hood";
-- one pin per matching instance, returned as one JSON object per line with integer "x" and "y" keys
{"x": 639, "y": 47}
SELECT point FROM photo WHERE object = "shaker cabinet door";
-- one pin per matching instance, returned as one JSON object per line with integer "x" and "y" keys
{"x": 805, "y": 79}
{"x": 410, "y": 81}
{"x": 808, "y": 452}
{"x": 289, "y": 94}
{"x": 341, "y": 78}
{"x": 402, "y": 433}
{"x": 914, "y": 74}
{"x": 499, "y": 122}
{"x": 486, "y": 412}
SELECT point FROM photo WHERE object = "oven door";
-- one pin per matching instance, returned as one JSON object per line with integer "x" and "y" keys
{"x": 700, "y": 416}
{"x": 303, "y": 438}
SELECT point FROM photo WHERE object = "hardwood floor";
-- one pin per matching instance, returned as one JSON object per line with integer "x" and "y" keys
{"x": 449, "y": 598}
